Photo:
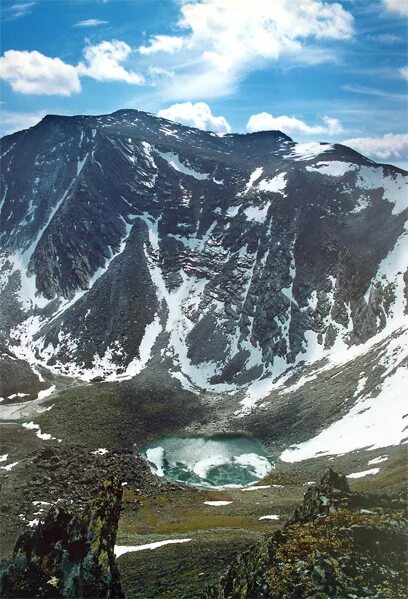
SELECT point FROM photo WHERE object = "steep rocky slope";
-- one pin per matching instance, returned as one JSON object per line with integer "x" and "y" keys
{"x": 228, "y": 259}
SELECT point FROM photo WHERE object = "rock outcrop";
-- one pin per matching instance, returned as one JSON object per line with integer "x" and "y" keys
{"x": 339, "y": 544}
{"x": 69, "y": 554}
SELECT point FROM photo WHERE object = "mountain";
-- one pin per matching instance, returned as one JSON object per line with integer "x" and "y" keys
{"x": 163, "y": 281}
{"x": 229, "y": 263}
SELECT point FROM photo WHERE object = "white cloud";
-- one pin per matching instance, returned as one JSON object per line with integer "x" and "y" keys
{"x": 372, "y": 91}
{"x": 15, "y": 121}
{"x": 388, "y": 146}
{"x": 103, "y": 63}
{"x": 90, "y": 23}
{"x": 404, "y": 72}
{"x": 397, "y": 6}
{"x": 34, "y": 73}
{"x": 223, "y": 39}
{"x": 162, "y": 43}
{"x": 264, "y": 121}
{"x": 196, "y": 115}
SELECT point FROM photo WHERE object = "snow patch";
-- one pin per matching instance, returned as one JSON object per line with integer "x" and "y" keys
{"x": 174, "y": 161}
{"x": 364, "y": 473}
{"x": 379, "y": 460}
{"x": 9, "y": 466}
{"x": 122, "y": 549}
{"x": 305, "y": 151}
{"x": 275, "y": 185}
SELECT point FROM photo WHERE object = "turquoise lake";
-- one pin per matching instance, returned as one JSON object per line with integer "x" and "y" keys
{"x": 212, "y": 461}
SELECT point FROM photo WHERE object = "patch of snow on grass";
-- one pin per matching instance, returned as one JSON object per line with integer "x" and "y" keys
{"x": 363, "y": 426}
{"x": 256, "y": 488}
{"x": 9, "y": 466}
{"x": 122, "y": 549}
{"x": 270, "y": 517}
{"x": 100, "y": 451}
{"x": 36, "y": 427}
{"x": 217, "y": 503}
{"x": 379, "y": 460}
{"x": 364, "y": 473}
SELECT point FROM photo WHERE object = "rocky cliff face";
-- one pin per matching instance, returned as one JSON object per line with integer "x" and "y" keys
{"x": 127, "y": 238}
{"x": 69, "y": 555}
{"x": 338, "y": 544}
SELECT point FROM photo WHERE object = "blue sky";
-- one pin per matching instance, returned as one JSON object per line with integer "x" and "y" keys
{"x": 316, "y": 69}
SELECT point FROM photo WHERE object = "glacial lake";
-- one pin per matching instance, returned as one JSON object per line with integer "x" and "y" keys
{"x": 213, "y": 461}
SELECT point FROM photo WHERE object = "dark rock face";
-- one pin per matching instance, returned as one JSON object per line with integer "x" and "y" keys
{"x": 18, "y": 382}
{"x": 69, "y": 555}
{"x": 233, "y": 256}
{"x": 339, "y": 544}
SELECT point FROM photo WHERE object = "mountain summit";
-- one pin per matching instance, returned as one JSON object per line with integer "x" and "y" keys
{"x": 225, "y": 261}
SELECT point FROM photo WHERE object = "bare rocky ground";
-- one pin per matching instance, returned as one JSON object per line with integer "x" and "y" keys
{"x": 83, "y": 419}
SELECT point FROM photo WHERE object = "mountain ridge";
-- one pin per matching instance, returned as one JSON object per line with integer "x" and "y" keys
{"x": 226, "y": 259}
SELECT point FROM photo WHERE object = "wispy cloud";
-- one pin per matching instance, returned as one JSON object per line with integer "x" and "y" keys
{"x": 403, "y": 71}
{"x": 17, "y": 10}
{"x": 220, "y": 41}
{"x": 372, "y": 91}
{"x": 90, "y": 23}
{"x": 397, "y": 6}
{"x": 385, "y": 147}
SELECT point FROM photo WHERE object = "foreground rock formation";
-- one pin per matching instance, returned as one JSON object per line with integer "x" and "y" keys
{"x": 339, "y": 544}
{"x": 69, "y": 555}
